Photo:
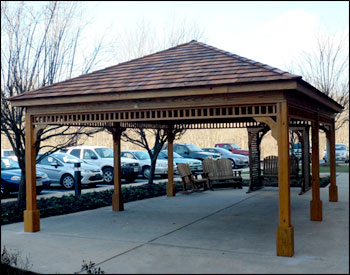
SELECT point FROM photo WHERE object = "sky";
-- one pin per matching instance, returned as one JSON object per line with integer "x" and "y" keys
{"x": 274, "y": 33}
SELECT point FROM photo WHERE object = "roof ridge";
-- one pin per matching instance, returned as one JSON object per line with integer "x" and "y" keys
{"x": 244, "y": 59}
{"x": 148, "y": 55}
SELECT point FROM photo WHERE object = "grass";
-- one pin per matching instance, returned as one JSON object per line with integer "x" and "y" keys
{"x": 339, "y": 168}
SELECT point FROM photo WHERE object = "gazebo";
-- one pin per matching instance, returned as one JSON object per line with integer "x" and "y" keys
{"x": 190, "y": 86}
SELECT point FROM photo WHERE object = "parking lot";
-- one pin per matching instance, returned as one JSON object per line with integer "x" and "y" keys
{"x": 58, "y": 190}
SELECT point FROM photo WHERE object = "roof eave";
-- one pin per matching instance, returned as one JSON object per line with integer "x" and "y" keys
{"x": 160, "y": 93}
{"x": 306, "y": 88}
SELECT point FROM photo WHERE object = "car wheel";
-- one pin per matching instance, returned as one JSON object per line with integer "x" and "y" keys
{"x": 4, "y": 192}
{"x": 233, "y": 164}
{"x": 146, "y": 172}
{"x": 38, "y": 190}
{"x": 67, "y": 182}
{"x": 108, "y": 175}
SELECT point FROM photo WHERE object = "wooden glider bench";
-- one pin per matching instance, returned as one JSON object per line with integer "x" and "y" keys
{"x": 189, "y": 179}
{"x": 271, "y": 167}
{"x": 221, "y": 170}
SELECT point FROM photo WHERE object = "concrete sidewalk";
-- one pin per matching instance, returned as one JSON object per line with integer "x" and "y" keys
{"x": 221, "y": 231}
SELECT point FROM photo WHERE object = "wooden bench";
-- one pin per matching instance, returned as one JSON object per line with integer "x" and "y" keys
{"x": 189, "y": 179}
{"x": 221, "y": 170}
{"x": 270, "y": 169}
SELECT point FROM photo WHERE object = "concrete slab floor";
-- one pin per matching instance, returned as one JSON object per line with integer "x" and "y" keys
{"x": 221, "y": 231}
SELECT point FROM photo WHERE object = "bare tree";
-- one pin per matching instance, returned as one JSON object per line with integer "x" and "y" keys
{"x": 328, "y": 70}
{"x": 143, "y": 40}
{"x": 39, "y": 46}
{"x": 141, "y": 138}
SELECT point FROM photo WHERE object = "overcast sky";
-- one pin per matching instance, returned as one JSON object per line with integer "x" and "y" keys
{"x": 269, "y": 32}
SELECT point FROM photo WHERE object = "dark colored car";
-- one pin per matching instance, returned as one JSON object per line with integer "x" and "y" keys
{"x": 194, "y": 152}
{"x": 238, "y": 161}
{"x": 11, "y": 177}
{"x": 233, "y": 148}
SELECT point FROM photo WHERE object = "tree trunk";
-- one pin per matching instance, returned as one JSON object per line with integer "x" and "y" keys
{"x": 21, "y": 199}
{"x": 153, "y": 168}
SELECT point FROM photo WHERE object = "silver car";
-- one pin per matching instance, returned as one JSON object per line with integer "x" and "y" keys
{"x": 60, "y": 169}
{"x": 102, "y": 157}
{"x": 145, "y": 162}
{"x": 341, "y": 153}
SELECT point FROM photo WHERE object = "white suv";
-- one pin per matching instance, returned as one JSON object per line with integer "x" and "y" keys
{"x": 102, "y": 157}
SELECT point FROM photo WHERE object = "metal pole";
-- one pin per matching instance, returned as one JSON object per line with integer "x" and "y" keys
{"x": 77, "y": 179}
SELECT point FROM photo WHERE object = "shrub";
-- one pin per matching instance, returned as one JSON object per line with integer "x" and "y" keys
{"x": 12, "y": 264}
{"x": 69, "y": 203}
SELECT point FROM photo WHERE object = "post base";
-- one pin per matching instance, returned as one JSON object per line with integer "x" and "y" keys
{"x": 316, "y": 210}
{"x": 285, "y": 241}
{"x": 333, "y": 193}
{"x": 170, "y": 189}
{"x": 31, "y": 220}
{"x": 117, "y": 202}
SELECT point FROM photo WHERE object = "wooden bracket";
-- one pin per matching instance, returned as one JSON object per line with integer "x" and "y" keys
{"x": 271, "y": 123}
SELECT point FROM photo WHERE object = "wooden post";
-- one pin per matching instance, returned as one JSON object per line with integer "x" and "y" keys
{"x": 333, "y": 189}
{"x": 31, "y": 215}
{"x": 170, "y": 187}
{"x": 316, "y": 203}
{"x": 285, "y": 230}
{"x": 117, "y": 196}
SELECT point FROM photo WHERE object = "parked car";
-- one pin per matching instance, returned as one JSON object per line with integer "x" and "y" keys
{"x": 193, "y": 151}
{"x": 233, "y": 148}
{"x": 11, "y": 177}
{"x": 297, "y": 150}
{"x": 102, "y": 157}
{"x": 60, "y": 169}
{"x": 145, "y": 162}
{"x": 341, "y": 153}
{"x": 238, "y": 161}
{"x": 8, "y": 153}
{"x": 195, "y": 164}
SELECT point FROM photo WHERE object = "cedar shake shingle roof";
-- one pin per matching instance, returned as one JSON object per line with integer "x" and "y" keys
{"x": 192, "y": 64}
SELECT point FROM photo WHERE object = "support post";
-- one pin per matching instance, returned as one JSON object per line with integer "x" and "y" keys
{"x": 254, "y": 139}
{"x": 117, "y": 196}
{"x": 31, "y": 215}
{"x": 333, "y": 189}
{"x": 315, "y": 203}
{"x": 285, "y": 230}
{"x": 170, "y": 187}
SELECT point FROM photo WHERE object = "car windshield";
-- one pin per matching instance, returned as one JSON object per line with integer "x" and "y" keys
{"x": 235, "y": 146}
{"x": 67, "y": 158}
{"x": 222, "y": 150}
{"x": 164, "y": 154}
{"x": 194, "y": 148}
{"x": 297, "y": 146}
{"x": 340, "y": 147}
{"x": 141, "y": 155}
{"x": 104, "y": 152}
{"x": 8, "y": 153}
{"x": 8, "y": 164}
